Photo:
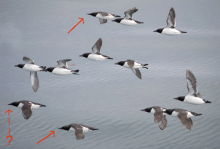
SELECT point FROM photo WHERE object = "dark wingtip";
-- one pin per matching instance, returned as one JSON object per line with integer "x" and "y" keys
{"x": 16, "y": 65}
{"x": 43, "y": 106}
{"x": 110, "y": 58}
{"x": 117, "y": 16}
{"x": 76, "y": 70}
{"x": 183, "y": 32}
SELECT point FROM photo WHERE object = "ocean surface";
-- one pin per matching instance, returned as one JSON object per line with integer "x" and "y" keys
{"x": 105, "y": 95}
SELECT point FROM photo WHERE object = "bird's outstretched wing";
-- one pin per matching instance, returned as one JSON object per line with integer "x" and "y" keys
{"x": 63, "y": 63}
{"x": 129, "y": 12}
{"x": 96, "y": 49}
{"x": 171, "y": 19}
{"x": 28, "y": 60}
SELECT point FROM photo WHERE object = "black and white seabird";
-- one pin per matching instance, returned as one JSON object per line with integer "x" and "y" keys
{"x": 128, "y": 20}
{"x": 96, "y": 55}
{"x": 193, "y": 96}
{"x": 33, "y": 69}
{"x": 133, "y": 65}
{"x": 171, "y": 23}
{"x": 159, "y": 115}
{"x": 79, "y": 129}
{"x": 26, "y": 107}
{"x": 103, "y": 16}
{"x": 62, "y": 68}
{"x": 183, "y": 115}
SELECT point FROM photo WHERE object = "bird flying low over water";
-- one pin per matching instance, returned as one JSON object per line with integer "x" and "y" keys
{"x": 79, "y": 129}
{"x": 133, "y": 65}
{"x": 171, "y": 24}
{"x": 103, "y": 16}
{"x": 159, "y": 115}
{"x": 62, "y": 68}
{"x": 183, "y": 115}
{"x": 33, "y": 69}
{"x": 128, "y": 20}
{"x": 96, "y": 55}
{"x": 193, "y": 96}
{"x": 26, "y": 107}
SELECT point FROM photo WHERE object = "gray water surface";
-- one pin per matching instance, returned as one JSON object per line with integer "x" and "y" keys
{"x": 104, "y": 95}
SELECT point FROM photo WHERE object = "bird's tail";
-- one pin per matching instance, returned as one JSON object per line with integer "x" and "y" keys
{"x": 75, "y": 71}
{"x": 206, "y": 101}
{"x": 43, "y": 67}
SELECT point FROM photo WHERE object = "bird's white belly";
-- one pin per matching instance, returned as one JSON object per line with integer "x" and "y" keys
{"x": 175, "y": 113}
{"x": 33, "y": 106}
{"x": 128, "y": 22}
{"x": 126, "y": 65}
{"x": 170, "y": 31}
{"x": 20, "y": 105}
{"x": 137, "y": 65}
{"x": 61, "y": 71}
{"x": 189, "y": 115}
{"x": 96, "y": 57}
{"x": 85, "y": 129}
{"x": 31, "y": 67}
{"x": 193, "y": 100}
{"x": 105, "y": 17}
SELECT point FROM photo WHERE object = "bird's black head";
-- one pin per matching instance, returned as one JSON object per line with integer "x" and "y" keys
{"x": 147, "y": 110}
{"x": 20, "y": 65}
{"x": 14, "y": 104}
{"x": 85, "y": 55}
{"x": 159, "y": 30}
{"x": 65, "y": 128}
{"x": 117, "y": 20}
{"x": 93, "y": 14}
{"x": 50, "y": 69}
{"x": 169, "y": 111}
{"x": 120, "y": 63}
{"x": 181, "y": 98}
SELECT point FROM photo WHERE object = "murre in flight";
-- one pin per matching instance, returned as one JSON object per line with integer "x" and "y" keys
{"x": 171, "y": 23}
{"x": 103, "y": 16}
{"x": 79, "y": 129}
{"x": 33, "y": 69}
{"x": 193, "y": 96}
{"x": 128, "y": 20}
{"x": 26, "y": 107}
{"x": 183, "y": 115}
{"x": 133, "y": 65}
{"x": 62, "y": 68}
{"x": 159, "y": 115}
{"x": 96, "y": 55}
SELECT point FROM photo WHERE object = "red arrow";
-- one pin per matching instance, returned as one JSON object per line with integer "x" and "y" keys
{"x": 53, "y": 133}
{"x": 81, "y": 19}
{"x": 9, "y": 111}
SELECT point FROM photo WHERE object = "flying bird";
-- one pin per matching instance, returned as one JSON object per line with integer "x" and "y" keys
{"x": 96, "y": 55}
{"x": 159, "y": 115}
{"x": 103, "y": 16}
{"x": 183, "y": 115}
{"x": 128, "y": 20}
{"x": 26, "y": 107}
{"x": 33, "y": 69}
{"x": 133, "y": 65}
{"x": 193, "y": 96}
{"x": 171, "y": 24}
{"x": 79, "y": 129}
{"x": 62, "y": 68}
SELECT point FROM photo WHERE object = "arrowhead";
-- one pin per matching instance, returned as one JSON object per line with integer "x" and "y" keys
{"x": 8, "y": 111}
{"x": 53, "y": 132}
{"x": 81, "y": 19}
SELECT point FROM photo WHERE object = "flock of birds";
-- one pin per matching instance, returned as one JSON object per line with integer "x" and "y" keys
{"x": 160, "y": 113}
